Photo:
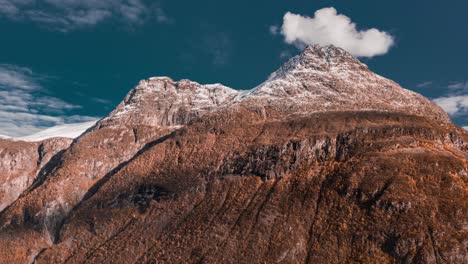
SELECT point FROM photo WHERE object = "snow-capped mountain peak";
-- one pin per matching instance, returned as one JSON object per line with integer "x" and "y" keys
{"x": 317, "y": 58}
{"x": 319, "y": 79}
{"x": 161, "y": 101}
{"x": 330, "y": 79}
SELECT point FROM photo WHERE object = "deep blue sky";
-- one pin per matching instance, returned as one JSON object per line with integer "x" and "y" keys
{"x": 94, "y": 65}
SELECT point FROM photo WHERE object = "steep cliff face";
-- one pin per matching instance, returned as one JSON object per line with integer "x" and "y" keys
{"x": 325, "y": 161}
{"x": 22, "y": 162}
{"x": 341, "y": 187}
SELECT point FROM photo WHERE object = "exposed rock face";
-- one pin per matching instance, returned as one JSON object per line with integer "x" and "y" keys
{"x": 161, "y": 102}
{"x": 324, "y": 162}
{"x": 21, "y": 163}
{"x": 363, "y": 187}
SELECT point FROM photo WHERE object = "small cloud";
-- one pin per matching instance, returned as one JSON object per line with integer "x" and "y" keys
{"x": 162, "y": 17}
{"x": 285, "y": 54}
{"x": 18, "y": 77}
{"x": 453, "y": 105}
{"x": 328, "y": 27}
{"x": 7, "y": 8}
{"x": 465, "y": 127}
{"x": 458, "y": 88}
{"x": 455, "y": 101}
{"x": 424, "y": 84}
{"x": 219, "y": 47}
{"x": 459, "y": 85}
{"x": 274, "y": 30}
{"x": 101, "y": 100}
{"x": 88, "y": 17}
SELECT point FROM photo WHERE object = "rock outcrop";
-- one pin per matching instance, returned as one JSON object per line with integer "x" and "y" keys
{"x": 22, "y": 162}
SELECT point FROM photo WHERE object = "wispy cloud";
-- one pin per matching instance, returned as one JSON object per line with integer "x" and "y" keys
{"x": 424, "y": 84}
{"x": 101, "y": 100}
{"x": 26, "y": 108}
{"x": 219, "y": 47}
{"x": 274, "y": 30}
{"x": 459, "y": 87}
{"x": 455, "y": 102}
{"x": 161, "y": 16}
{"x": 66, "y": 15}
{"x": 328, "y": 27}
{"x": 453, "y": 105}
{"x": 285, "y": 54}
{"x": 19, "y": 77}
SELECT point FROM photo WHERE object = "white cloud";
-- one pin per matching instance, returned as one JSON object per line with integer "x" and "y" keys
{"x": 285, "y": 54}
{"x": 458, "y": 88}
{"x": 19, "y": 77}
{"x": 161, "y": 16}
{"x": 25, "y": 107}
{"x": 465, "y": 127}
{"x": 101, "y": 100}
{"x": 328, "y": 27}
{"x": 455, "y": 102}
{"x": 274, "y": 30}
{"x": 453, "y": 105}
{"x": 218, "y": 46}
{"x": 459, "y": 85}
{"x": 424, "y": 84}
{"x": 65, "y": 15}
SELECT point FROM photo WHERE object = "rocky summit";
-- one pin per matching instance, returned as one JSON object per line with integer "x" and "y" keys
{"x": 324, "y": 162}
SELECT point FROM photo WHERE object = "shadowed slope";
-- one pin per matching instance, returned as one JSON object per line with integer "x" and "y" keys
{"x": 383, "y": 186}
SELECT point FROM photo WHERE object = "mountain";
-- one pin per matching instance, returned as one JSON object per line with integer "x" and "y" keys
{"x": 324, "y": 162}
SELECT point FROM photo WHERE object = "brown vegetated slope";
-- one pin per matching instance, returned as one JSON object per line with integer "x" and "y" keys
{"x": 335, "y": 187}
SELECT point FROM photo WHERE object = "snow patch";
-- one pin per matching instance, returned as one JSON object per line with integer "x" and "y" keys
{"x": 67, "y": 131}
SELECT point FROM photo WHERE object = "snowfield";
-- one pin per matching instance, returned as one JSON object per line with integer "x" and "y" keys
{"x": 68, "y": 131}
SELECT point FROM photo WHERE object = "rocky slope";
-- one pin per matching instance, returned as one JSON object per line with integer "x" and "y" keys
{"x": 21, "y": 163}
{"x": 361, "y": 187}
{"x": 324, "y": 162}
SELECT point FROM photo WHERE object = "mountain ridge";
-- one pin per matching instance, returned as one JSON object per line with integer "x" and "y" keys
{"x": 294, "y": 80}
